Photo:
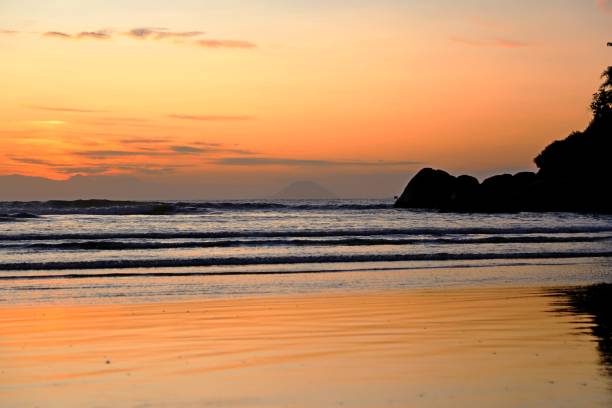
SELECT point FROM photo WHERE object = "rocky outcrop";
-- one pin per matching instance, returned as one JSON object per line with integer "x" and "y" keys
{"x": 524, "y": 191}
{"x": 575, "y": 174}
{"x": 436, "y": 189}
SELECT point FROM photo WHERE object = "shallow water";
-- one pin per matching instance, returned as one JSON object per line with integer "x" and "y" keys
{"x": 102, "y": 249}
{"x": 502, "y": 347}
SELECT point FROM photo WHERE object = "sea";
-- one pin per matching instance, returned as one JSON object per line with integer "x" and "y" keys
{"x": 126, "y": 251}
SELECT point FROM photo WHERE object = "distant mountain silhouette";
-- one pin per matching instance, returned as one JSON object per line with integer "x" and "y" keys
{"x": 304, "y": 190}
{"x": 575, "y": 174}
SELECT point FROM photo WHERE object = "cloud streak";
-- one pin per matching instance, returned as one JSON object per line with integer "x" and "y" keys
{"x": 187, "y": 149}
{"x": 105, "y": 154}
{"x": 27, "y": 160}
{"x": 143, "y": 141}
{"x": 96, "y": 35}
{"x": 56, "y": 34}
{"x": 153, "y": 33}
{"x": 274, "y": 161}
{"x": 225, "y": 44}
{"x": 163, "y": 151}
{"x": 160, "y": 33}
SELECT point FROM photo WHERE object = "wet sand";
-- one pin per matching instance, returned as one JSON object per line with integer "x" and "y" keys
{"x": 502, "y": 347}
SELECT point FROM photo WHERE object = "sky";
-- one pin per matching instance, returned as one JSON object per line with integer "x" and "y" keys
{"x": 263, "y": 92}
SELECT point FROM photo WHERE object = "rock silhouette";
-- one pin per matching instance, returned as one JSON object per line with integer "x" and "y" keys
{"x": 574, "y": 174}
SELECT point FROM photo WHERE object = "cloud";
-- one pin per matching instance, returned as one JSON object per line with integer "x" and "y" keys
{"x": 225, "y": 44}
{"x": 56, "y": 34}
{"x": 82, "y": 169}
{"x": 496, "y": 42}
{"x": 116, "y": 168}
{"x": 104, "y": 154}
{"x": 143, "y": 141}
{"x": 160, "y": 33}
{"x": 211, "y": 118}
{"x": 96, "y": 35}
{"x": 270, "y": 161}
{"x": 8, "y": 32}
{"x": 187, "y": 149}
{"x": 153, "y": 33}
{"x": 162, "y": 151}
{"x": 140, "y": 32}
{"x": 208, "y": 144}
{"x": 27, "y": 160}
{"x": 605, "y": 5}
{"x": 214, "y": 148}
{"x": 63, "y": 109}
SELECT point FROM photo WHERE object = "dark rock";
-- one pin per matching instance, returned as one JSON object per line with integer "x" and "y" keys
{"x": 429, "y": 188}
{"x": 524, "y": 178}
{"x": 466, "y": 194}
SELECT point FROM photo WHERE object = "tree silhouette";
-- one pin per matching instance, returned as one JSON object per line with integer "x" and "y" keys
{"x": 602, "y": 99}
{"x": 588, "y": 151}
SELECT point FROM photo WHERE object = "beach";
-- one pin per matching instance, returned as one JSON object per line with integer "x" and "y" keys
{"x": 491, "y": 346}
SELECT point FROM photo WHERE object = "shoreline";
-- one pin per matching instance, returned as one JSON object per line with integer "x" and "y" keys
{"x": 241, "y": 282}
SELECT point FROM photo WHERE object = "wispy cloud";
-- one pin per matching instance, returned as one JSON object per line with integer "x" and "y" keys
{"x": 187, "y": 149}
{"x": 211, "y": 118}
{"x": 64, "y": 109}
{"x": 605, "y": 5}
{"x": 28, "y": 160}
{"x": 105, "y": 154}
{"x": 7, "y": 32}
{"x": 273, "y": 161}
{"x": 495, "y": 42}
{"x": 87, "y": 170}
{"x": 96, "y": 35}
{"x": 56, "y": 34}
{"x": 143, "y": 141}
{"x": 225, "y": 44}
{"x": 161, "y": 151}
{"x": 155, "y": 33}
{"x": 160, "y": 33}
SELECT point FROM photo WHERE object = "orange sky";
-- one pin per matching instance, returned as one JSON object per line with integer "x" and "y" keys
{"x": 169, "y": 90}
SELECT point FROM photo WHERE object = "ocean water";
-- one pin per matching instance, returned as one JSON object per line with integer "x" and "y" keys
{"x": 100, "y": 250}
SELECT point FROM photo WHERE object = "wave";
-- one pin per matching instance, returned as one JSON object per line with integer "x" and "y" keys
{"x": 308, "y": 233}
{"x": 289, "y": 260}
{"x": 112, "y": 207}
{"x": 16, "y": 217}
{"x": 118, "y": 246}
{"x": 127, "y": 274}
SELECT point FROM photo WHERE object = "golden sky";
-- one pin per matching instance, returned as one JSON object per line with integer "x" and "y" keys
{"x": 160, "y": 89}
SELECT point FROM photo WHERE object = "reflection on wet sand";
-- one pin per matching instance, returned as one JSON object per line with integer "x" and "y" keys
{"x": 595, "y": 302}
{"x": 429, "y": 348}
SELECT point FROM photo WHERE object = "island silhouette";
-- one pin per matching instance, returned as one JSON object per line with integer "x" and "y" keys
{"x": 574, "y": 174}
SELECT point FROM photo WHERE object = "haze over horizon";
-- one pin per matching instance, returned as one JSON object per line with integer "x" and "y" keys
{"x": 240, "y": 100}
